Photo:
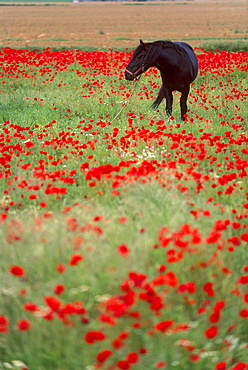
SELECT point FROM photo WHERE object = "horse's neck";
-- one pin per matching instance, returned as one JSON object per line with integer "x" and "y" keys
{"x": 164, "y": 59}
{"x": 153, "y": 58}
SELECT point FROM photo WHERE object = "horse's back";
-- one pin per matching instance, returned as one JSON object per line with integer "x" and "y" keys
{"x": 192, "y": 57}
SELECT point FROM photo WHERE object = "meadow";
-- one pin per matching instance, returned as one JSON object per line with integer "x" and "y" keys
{"x": 123, "y": 240}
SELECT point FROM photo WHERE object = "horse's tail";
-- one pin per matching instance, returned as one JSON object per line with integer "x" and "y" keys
{"x": 159, "y": 98}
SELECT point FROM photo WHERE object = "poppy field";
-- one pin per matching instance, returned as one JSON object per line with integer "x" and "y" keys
{"x": 123, "y": 237}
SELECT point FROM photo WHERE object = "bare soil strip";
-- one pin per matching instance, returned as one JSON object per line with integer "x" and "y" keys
{"x": 118, "y": 24}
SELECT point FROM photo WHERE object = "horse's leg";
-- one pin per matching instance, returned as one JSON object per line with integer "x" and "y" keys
{"x": 183, "y": 102}
{"x": 169, "y": 101}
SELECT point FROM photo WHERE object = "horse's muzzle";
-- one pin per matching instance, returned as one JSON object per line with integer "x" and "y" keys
{"x": 129, "y": 75}
{"x": 133, "y": 75}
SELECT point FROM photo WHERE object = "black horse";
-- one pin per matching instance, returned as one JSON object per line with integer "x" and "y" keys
{"x": 178, "y": 66}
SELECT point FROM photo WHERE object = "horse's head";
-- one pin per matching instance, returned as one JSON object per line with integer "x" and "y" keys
{"x": 136, "y": 66}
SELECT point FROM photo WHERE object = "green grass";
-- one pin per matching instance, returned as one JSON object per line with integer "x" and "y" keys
{"x": 124, "y": 38}
{"x": 231, "y": 46}
{"x": 210, "y": 44}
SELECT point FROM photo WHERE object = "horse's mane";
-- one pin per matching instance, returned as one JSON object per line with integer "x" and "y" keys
{"x": 154, "y": 48}
{"x": 165, "y": 44}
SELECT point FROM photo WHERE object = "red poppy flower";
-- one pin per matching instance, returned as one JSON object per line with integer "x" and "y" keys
{"x": 93, "y": 336}
{"x": 30, "y": 306}
{"x": 4, "y": 329}
{"x": 221, "y": 366}
{"x": 208, "y": 288}
{"x": 75, "y": 259}
{"x": 243, "y": 279}
{"x": 211, "y": 332}
{"x": 3, "y": 320}
{"x": 43, "y": 204}
{"x": 29, "y": 144}
{"x": 122, "y": 220}
{"x": 60, "y": 268}
{"x": 243, "y": 313}
{"x": 4, "y": 324}
{"x": 245, "y": 298}
{"x": 194, "y": 357}
{"x": 23, "y": 325}
{"x": 244, "y": 237}
{"x": 123, "y": 250}
{"x": 160, "y": 365}
{"x": 59, "y": 289}
{"x": 52, "y": 302}
{"x": 16, "y": 270}
{"x": 123, "y": 365}
{"x": 132, "y": 358}
{"x": 163, "y": 325}
{"x": 103, "y": 355}
{"x": 240, "y": 366}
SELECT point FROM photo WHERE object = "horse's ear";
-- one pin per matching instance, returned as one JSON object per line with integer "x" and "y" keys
{"x": 143, "y": 45}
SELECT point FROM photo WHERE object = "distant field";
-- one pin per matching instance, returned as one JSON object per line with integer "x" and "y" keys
{"x": 105, "y": 25}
